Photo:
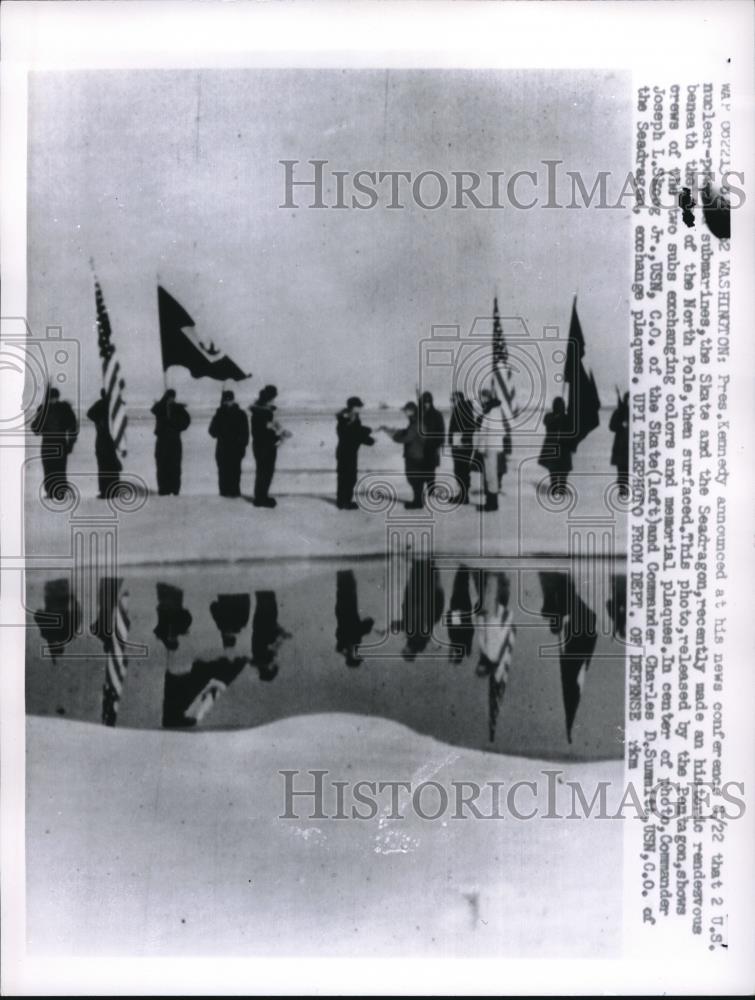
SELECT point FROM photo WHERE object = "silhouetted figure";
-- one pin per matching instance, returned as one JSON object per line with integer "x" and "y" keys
{"x": 556, "y": 453}
{"x": 171, "y": 420}
{"x": 61, "y": 617}
{"x": 56, "y": 422}
{"x": 351, "y": 436}
{"x": 433, "y": 430}
{"x": 173, "y": 619}
{"x": 619, "y": 424}
{"x": 230, "y": 612}
{"x": 112, "y": 627}
{"x": 575, "y": 625}
{"x": 496, "y": 633}
{"x": 489, "y": 437}
{"x": 230, "y": 428}
{"x": 415, "y": 464}
{"x": 350, "y": 628}
{"x": 108, "y": 464}
{"x": 267, "y": 434}
{"x": 716, "y": 210}
{"x": 189, "y": 696}
{"x": 616, "y": 605}
{"x": 267, "y": 634}
{"x": 461, "y": 428}
{"x": 422, "y": 607}
{"x": 459, "y": 618}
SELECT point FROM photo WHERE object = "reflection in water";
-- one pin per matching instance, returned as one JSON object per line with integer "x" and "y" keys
{"x": 111, "y": 628}
{"x": 61, "y": 617}
{"x": 575, "y": 625}
{"x": 350, "y": 628}
{"x": 267, "y": 635}
{"x": 495, "y": 626}
{"x": 188, "y": 697}
{"x": 173, "y": 619}
{"x": 230, "y": 612}
{"x": 616, "y": 605}
{"x": 496, "y": 632}
{"x": 422, "y": 607}
{"x": 459, "y": 617}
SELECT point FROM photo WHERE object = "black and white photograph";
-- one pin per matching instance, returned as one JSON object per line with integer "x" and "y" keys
{"x": 345, "y": 510}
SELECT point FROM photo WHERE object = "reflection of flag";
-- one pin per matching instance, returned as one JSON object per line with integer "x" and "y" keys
{"x": 111, "y": 628}
{"x": 111, "y": 375}
{"x": 503, "y": 377}
{"x": 496, "y": 633}
{"x": 182, "y": 346}
{"x": 583, "y": 408}
{"x": 188, "y": 697}
{"x": 575, "y": 625}
{"x": 61, "y": 617}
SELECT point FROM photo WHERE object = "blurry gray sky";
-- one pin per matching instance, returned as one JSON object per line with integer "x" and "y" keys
{"x": 175, "y": 174}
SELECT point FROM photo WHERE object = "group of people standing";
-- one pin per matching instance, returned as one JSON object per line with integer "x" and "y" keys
{"x": 478, "y": 436}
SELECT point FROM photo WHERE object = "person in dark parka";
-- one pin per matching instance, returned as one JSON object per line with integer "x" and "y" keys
{"x": 230, "y": 428}
{"x": 171, "y": 420}
{"x": 351, "y": 435}
{"x": 461, "y": 428}
{"x": 556, "y": 453}
{"x": 432, "y": 427}
{"x": 267, "y": 434}
{"x": 56, "y": 422}
{"x": 414, "y": 455}
{"x": 108, "y": 463}
{"x": 620, "y": 452}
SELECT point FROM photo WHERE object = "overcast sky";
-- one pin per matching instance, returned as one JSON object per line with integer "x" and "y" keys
{"x": 175, "y": 174}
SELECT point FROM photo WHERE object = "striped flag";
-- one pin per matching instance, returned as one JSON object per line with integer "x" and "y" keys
{"x": 113, "y": 382}
{"x": 111, "y": 628}
{"x": 503, "y": 377}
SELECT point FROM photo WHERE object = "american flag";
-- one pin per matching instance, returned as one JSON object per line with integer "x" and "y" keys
{"x": 111, "y": 628}
{"x": 111, "y": 374}
{"x": 503, "y": 377}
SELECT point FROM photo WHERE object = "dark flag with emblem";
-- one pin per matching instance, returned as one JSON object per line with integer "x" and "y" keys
{"x": 188, "y": 697}
{"x": 583, "y": 407}
{"x": 503, "y": 379}
{"x": 575, "y": 625}
{"x": 114, "y": 384}
{"x": 111, "y": 628}
{"x": 181, "y": 345}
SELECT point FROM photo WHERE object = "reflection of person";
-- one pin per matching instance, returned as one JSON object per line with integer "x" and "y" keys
{"x": 422, "y": 607}
{"x": 173, "y": 619}
{"x": 461, "y": 428}
{"x": 620, "y": 452}
{"x": 414, "y": 455}
{"x": 495, "y": 633}
{"x": 188, "y": 697}
{"x": 351, "y": 435}
{"x": 267, "y": 434}
{"x": 56, "y": 422}
{"x": 108, "y": 463}
{"x": 61, "y": 617}
{"x": 230, "y": 612}
{"x": 230, "y": 429}
{"x": 171, "y": 420}
{"x": 556, "y": 453}
{"x": 489, "y": 445}
{"x": 459, "y": 617}
{"x": 350, "y": 628}
{"x": 267, "y": 634}
{"x": 433, "y": 430}
{"x": 616, "y": 605}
